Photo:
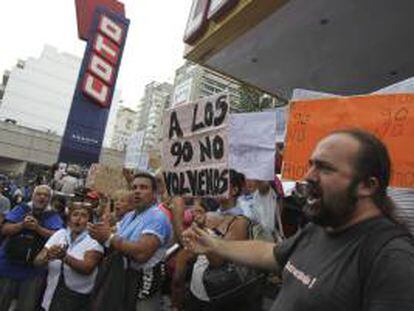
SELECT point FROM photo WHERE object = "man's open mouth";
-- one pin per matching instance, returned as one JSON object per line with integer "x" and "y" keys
{"x": 314, "y": 196}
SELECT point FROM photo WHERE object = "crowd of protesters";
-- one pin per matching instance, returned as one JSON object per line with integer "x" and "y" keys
{"x": 65, "y": 247}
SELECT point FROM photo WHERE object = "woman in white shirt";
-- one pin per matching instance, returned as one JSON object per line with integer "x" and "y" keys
{"x": 72, "y": 257}
{"x": 227, "y": 227}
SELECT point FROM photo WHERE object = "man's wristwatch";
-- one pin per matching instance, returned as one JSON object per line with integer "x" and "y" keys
{"x": 107, "y": 243}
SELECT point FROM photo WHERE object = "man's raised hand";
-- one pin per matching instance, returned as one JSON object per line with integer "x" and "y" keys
{"x": 199, "y": 241}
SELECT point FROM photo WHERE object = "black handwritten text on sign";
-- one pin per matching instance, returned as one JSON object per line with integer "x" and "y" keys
{"x": 195, "y": 148}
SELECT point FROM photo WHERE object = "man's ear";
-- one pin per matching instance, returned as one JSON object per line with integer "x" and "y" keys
{"x": 368, "y": 187}
{"x": 234, "y": 191}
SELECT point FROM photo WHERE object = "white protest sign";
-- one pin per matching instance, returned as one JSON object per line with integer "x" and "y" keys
{"x": 252, "y": 144}
{"x": 281, "y": 114}
{"x": 195, "y": 148}
{"x": 143, "y": 161}
{"x": 133, "y": 150}
{"x": 405, "y": 86}
{"x": 302, "y": 94}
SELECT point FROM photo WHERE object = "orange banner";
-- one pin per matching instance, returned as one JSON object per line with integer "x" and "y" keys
{"x": 389, "y": 117}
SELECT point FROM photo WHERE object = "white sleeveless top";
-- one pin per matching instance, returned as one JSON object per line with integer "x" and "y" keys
{"x": 197, "y": 286}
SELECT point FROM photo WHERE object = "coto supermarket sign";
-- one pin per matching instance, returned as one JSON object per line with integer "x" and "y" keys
{"x": 88, "y": 115}
{"x": 104, "y": 57}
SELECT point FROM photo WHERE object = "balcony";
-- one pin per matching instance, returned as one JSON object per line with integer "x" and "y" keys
{"x": 343, "y": 47}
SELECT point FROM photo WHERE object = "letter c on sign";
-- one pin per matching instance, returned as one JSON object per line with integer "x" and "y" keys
{"x": 96, "y": 89}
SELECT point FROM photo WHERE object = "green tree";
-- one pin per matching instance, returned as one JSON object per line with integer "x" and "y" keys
{"x": 254, "y": 100}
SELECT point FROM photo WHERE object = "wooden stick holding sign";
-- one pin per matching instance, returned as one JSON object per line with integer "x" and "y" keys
{"x": 195, "y": 148}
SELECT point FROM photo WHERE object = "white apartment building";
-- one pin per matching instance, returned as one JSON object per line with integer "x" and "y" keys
{"x": 37, "y": 93}
{"x": 156, "y": 99}
{"x": 193, "y": 82}
{"x": 126, "y": 123}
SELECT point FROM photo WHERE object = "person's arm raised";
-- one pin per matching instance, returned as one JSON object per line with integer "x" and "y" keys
{"x": 255, "y": 254}
{"x": 177, "y": 209}
{"x": 234, "y": 229}
{"x": 9, "y": 229}
{"x": 44, "y": 232}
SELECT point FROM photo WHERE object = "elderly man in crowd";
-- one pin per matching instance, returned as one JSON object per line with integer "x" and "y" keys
{"x": 26, "y": 229}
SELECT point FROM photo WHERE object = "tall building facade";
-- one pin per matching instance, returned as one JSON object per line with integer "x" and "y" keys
{"x": 37, "y": 93}
{"x": 193, "y": 82}
{"x": 157, "y": 98}
{"x": 125, "y": 125}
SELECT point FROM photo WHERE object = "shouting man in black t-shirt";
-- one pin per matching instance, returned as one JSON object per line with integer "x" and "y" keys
{"x": 352, "y": 256}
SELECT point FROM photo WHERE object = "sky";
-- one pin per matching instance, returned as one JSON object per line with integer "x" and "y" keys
{"x": 154, "y": 47}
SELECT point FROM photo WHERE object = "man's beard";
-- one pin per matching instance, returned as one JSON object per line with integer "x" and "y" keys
{"x": 337, "y": 210}
{"x": 38, "y": 208}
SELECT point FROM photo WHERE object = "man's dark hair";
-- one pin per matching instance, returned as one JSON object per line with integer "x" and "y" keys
{"x": 237, "y": 180}
{"x": 209, "y": 204}
{"x": 80, "y": 205}
{"x": 80, "y": 194}
{"x": 373, "y": 160}
{"x": 148, "y": 176}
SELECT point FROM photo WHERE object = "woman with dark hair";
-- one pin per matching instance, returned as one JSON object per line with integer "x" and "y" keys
{"x": 72, "y": 257}
{"x": 224, "y": 226}
{"x": 58, "y": 203}
{"x": 184, "y": 258}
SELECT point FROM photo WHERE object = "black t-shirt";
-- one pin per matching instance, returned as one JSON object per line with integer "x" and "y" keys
{"x": 321, "y": 272}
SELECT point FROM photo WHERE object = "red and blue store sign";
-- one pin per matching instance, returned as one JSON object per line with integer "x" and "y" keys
{"x": 85, "y": 127}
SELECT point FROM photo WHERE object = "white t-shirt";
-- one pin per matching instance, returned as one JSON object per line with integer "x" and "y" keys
{"x": 75, "y": 281}
{"x": 266, "y": 207}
